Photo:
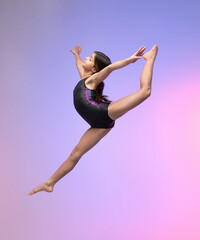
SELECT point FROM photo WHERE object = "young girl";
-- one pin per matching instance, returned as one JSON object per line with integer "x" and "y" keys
{"x": 95, "y": 108}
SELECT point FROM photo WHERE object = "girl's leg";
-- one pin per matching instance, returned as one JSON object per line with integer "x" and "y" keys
{"x": 89, "y": 139}
{"x": 120, "y": 107}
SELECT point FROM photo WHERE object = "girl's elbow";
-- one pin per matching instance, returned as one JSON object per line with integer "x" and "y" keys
{"x": 110, "y": 68}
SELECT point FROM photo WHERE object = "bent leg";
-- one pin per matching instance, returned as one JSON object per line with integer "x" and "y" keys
{"x": 120, "y": 107}
{"x": 89, "y": 139}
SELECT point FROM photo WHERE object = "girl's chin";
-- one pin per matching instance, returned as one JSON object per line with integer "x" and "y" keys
{"x": 83, "y": 65}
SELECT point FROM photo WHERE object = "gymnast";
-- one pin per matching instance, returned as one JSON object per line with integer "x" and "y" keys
{"x": 95, "y": 108}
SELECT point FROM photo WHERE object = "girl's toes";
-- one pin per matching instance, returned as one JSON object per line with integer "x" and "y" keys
{"x": 31, "y": 192}
{"x": 41, "y": 187}
{"x": 50, "y": 189}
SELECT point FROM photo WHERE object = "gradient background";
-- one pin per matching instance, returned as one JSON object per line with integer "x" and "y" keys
{"x": 139, "y": 182}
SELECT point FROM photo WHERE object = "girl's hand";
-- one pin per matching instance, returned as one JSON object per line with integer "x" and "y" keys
{"x": 76, "y": 50}
{"x": 137, "y": 55}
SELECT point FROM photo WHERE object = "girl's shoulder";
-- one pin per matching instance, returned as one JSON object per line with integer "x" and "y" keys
{"x": 90, "y": 83}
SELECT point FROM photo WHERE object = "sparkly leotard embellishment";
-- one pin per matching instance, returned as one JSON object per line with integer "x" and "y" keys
{"x": 88, "y": 97}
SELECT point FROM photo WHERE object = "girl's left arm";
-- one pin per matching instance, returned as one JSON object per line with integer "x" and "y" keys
{"x": 100, "y": 76}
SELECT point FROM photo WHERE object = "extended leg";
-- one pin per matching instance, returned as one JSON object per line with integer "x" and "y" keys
{"x": 89, "y": 139}
{"x": 120, "y": 107}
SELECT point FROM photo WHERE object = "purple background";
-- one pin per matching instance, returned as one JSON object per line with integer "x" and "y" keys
{"x": 139, "y": 182}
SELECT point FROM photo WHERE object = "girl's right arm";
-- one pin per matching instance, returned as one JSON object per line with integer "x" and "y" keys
{"x": 76, "y": 51}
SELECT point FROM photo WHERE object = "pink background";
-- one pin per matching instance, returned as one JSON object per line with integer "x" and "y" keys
{"x": 139, "y": 182}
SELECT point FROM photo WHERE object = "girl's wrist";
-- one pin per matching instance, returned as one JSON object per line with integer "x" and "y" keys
{"x": 129, "y": 60}
{"x": 132, "y": 59}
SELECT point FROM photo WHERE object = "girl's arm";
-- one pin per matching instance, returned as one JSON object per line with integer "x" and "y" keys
{"x": 76, "y": 51}
{"x": 100, "y": 76}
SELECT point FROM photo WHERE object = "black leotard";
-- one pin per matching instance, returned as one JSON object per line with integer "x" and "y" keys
{"x": 96, "y": 114}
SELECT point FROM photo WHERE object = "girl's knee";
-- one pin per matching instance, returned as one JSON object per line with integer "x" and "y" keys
{"x": 76, "y": 154}
{"x": 146, "y": 92}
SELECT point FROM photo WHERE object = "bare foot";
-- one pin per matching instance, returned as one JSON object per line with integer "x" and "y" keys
{"x": 151, "y": 55}
{"x": 46, "y": 186}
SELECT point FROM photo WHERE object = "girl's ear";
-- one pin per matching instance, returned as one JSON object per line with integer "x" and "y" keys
{"x": 94, "y": 70}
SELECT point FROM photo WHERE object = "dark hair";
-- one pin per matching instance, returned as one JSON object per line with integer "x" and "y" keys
{"x": 101, "y": 61}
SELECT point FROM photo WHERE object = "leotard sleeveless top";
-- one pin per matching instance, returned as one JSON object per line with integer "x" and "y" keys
{"x": 94, "y": 113}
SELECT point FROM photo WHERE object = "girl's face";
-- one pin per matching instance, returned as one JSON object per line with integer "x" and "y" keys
{"x": 88, "y": 63}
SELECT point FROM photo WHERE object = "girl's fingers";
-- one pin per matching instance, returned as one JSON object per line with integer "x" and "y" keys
{"x": 142, "y": 50}
{"x": 78, "y": 47}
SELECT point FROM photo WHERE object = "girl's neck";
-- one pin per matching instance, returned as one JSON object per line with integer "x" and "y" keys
{"x": 87, "y": 74}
